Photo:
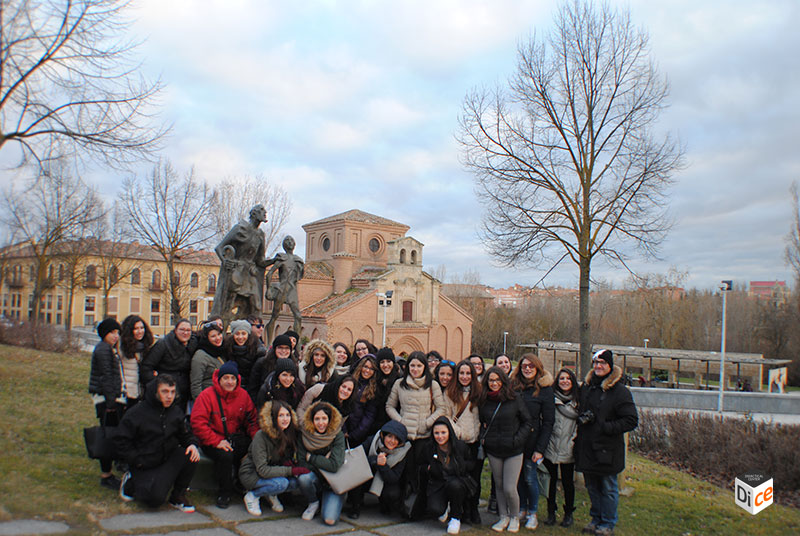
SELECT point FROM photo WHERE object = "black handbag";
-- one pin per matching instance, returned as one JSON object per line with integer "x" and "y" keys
{"x": 99, "y": 441}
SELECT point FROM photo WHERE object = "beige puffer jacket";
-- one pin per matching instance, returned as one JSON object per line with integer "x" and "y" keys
{"x": 412, "y": 407}
{"x": 306, "y": 364}
{"x": 467, "y": 427}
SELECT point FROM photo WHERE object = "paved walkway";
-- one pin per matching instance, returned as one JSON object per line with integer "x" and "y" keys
{"x": 212, "y": 521}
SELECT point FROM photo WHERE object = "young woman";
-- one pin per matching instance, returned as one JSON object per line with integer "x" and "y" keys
{"x": 321, "y": 447}
{"x": 363, "y": 347}
{"x": 433, "y": 358}
{"x": 360, "y": 420}
{"x": 504, "y": 363}
{"x": 560, "y": 450}
{"x": 478, "y": 365}
{"x": 344, "y": 359}
{"x": 318, "y": 365}
{"x": 135, "y": 339}
{"x": 282, "y": 384}
{"x": 224, "y": 421}
{"x": 387, "y": 453}
{"x": 461, "y": 402}
{"x": 281, "y": 349}
{"x": 294, "y": 337}
{"x": 172, "y": 354}
{"x": 534, "y": 384}
{"x": 269, "y": 467}
{"x": 210, "y": 355}
{"x": 448, "y": 471}
{"x": 505, "y": 426}
{"x": 416, "y": 400}
{"x": 107, "y": 388}
{"x": 387, "y": 374}
{"x": 337, "y": 392}
{"x": 244, "y": 347}
{"x": 444, "y": 374}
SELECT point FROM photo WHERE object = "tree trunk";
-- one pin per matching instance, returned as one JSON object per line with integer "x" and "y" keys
{"x": 585, "y": 361}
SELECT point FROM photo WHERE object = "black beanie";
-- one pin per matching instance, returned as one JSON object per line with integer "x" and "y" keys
{"x": 385, "y": 354}
{"x": 605, "y": 355}
{"x": 294, "y": 334}
{"x": 284, "y": 365}
{"x": 282, "y": 340}
{"x": 107, "y": 326}
{"x": 229, "y": 367}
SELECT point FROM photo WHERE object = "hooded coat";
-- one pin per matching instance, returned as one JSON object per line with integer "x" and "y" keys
{"x": 262, "y": 460}
{"x": 439, "y": 472}
{"x": 561, "y": 448}
{"x": 321, "y": 451}
{"x": 328, "y": 372}
{"x": 600, "y": 445}
{"x": 149, "y": 432}
{"x": 240, "y": 413}
{"x": 416, "y": 407}
{"x": 105, "y": 378}
{"x": 204, "y": 363}
{"x": 168, "y": 355}
{"x": 541, "y": 409}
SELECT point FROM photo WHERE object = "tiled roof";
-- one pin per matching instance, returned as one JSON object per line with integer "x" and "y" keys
{"x": 370, "y": 273}
{"x": 334, "y": 302}
{"x": 126, "y": 250}
{"x": 318, "y": 270}
{"x": 359, "y": 216}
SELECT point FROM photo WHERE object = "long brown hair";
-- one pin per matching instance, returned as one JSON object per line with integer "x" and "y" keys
{"x": 372, "y": 384}
{"x": 454, "y": 390}
{"x": 520, "y": 382}
{"x": 506, "y": 392}
{"x": 287, "y": 438}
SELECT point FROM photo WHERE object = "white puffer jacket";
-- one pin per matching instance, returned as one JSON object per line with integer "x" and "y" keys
{"x": 416, "y": 407}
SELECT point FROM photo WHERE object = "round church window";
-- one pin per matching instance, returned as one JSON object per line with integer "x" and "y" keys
{"x": 326, "y": 244}
{"x": 374, "y": 245}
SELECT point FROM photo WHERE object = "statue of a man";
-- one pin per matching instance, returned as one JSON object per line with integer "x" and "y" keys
{"x": 241, "y": 275}
{"x": 290, "y": 270}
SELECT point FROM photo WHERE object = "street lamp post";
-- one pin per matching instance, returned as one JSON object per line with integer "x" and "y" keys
{"x": 505, "y": 333}
{"x": 724, "y": 288}
{"x": 384, "y": 300}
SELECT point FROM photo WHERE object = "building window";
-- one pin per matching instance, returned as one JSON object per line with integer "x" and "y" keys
{"x": 59, "y": 303}
{"x": 194, "y": 280}
{"x": 135, "y": 305}
{"x": 326, "y": 244}
{"x": 32, "y": 273}
{"x": 88, "y": 320}
{"x": 408, "y": 311}
{"x": 49, "y": 302}
{"x": 212, "y": 283}
{"x": 136, "y": 276}
{"x": 193, "y": 306}
{"x": 91, "y": 275}
{"x": 60, "y": 274}
{"x": 113, "y": 275}
{"x": 58, "y": 318}
{"x": 374, "y": 245}
{"x": 156, "y": 281}
{"x": 155, "y": 320}
{"x": 89, "y": 304}
{"x": 402, "y": 256}
{"x": 113, "y": 303}
{"x": 155, "y": 305}
{"x": 413, "y": 256}
{"x": 176, "y": 278}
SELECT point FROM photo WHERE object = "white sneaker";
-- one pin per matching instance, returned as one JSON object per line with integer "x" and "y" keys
{"x": 124, "y": 496}
{"x": 445, "y": 515}
{"x": 252, "y": 504}
{"x": 501, "y": 525}
{"x": 311, "y": 511}
{"x": 532, "y": 522}
{"x": 513, "y": 525}
{"x": 275, "y": 503}
{"x": 454, "y": 526}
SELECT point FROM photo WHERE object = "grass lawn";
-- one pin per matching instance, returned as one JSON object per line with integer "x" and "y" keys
{"x": 46, "y": 474}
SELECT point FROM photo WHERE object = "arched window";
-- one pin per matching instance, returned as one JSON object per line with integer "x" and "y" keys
{"x": 176, "y": 278}
{"x": 194, "y": 280}
{"x": 413, "y": 256}
{"x": 136, "y": 276}
{"x": 91, "y": 274}
{"x": 50, "y": 270}
{"x": 326, "y": 244}
{"x": 113, "y": 275}
{"x": 212, "y": 283}
{"x": 155, "y": 283}
{"x": 60, "y": 272}
{"x": 402, "y": 256}
{"x": 408, "y": 311}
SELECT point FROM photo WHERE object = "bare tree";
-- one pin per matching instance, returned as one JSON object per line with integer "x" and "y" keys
{"x": 73, "y": 255}
{"x": 172, "y": 213}
{"x": 68, "y": 80}
{"x": 50, "y": 208}
{"x": 793, "y": 238}
{"x": 236, "y": 196}
{"x": 564, "y": 158}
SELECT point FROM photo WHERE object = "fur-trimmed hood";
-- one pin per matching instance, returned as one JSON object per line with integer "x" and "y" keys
{"x": 613, "y": 377}
{"x": 266, "y": 424}
{"x": 314, "y": 441}
{"x": 307, "y": 364}
{"x": 546, "y": 380}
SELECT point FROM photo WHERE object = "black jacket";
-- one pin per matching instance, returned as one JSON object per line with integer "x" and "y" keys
{"x": 438, "y": 472}
{"x": 542, "y": 409}
{"x": 169, "y": 356}
{"x": 508, "y": 432}
{"x": 600, "y": 446}
{"x": 105, "y": 378}
{"x": 149, "y": 432}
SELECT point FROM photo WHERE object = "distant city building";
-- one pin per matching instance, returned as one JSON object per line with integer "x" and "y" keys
{"x": 775, "y": 291}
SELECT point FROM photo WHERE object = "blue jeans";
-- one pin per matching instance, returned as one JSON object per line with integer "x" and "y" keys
{"x": 529, "y": 487}
{"x": 604, "y": 494}
{"x": 274, "y": 486}
{"x": 331, "y": 507}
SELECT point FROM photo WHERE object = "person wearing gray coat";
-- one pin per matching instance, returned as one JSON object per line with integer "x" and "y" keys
{"x": 560, "y": 452}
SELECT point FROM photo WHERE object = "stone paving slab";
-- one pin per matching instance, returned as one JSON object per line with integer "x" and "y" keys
{"x": 32, "y": 526}
{"x": 292, "y": 526}
{"x": 216, "y": 531}
{"x": 417, "y": 528}
{"x": 371, "y": 517}
{"x": 172, "y": 518}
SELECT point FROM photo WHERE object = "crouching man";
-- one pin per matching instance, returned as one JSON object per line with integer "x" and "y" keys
{"x": 161, "y": 453}
{"x": 607, "y": 412}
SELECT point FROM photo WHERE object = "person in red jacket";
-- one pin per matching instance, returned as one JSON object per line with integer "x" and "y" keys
{"x": 224, "y": 421}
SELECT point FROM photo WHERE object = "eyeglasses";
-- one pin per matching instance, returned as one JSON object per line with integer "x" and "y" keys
{"x": 527, "y": 366}
{"x": 495, "y": 380}
{"x": 257, "y": 325}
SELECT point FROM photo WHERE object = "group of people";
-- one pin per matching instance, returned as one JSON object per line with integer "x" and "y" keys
{"x": 277, "y": 420}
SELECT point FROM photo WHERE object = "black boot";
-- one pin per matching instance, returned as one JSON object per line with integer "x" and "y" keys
{"x": 567, "y": 521}
{"x": 551, "y": 513}
{"x": 492, "y": 501}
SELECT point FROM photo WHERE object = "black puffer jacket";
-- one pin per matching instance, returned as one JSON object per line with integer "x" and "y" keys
{"x": 508, "y": 432}
{"x": 149, "y": 432}
{"x": 600, "y": 446}
{"x": 542, "y": 410}
{"x": 169, "y": 356}
{"x": 105, "y": 378}
{"x": 459, "y": 465}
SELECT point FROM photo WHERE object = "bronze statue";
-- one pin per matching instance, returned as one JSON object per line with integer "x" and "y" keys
{"x": 241, "y": 275}
{"x": 290, "y": 270}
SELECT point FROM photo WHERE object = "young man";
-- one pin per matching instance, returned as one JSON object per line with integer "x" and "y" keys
{"x": 607, "y": 412}
{"x": 161, "y": 453}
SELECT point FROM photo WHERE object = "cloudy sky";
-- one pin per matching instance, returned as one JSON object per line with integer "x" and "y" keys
{"x": 354, "y": 104}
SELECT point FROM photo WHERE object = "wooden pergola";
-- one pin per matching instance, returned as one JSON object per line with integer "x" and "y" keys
{"x": 696, "y": 362}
